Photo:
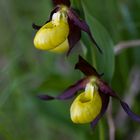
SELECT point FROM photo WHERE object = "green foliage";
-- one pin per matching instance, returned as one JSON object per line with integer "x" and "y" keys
{"x": 105, "y": 61}
{"x": 26, "y": 72}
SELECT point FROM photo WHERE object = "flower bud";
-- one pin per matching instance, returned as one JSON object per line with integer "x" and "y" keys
{"x": 86, "y": 106}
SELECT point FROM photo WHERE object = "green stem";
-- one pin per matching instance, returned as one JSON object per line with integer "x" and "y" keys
{"x": 101, "y": 131}
{"x": 91, "y": 56}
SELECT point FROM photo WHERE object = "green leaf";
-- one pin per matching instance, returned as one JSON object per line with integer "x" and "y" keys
{"x": 104, "y": 62}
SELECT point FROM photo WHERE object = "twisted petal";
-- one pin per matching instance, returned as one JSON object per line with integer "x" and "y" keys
{"x": 69, "y": 92}
{"x": 86, "y": 68}
{"x": 65, "y": 2}
{"x": 105, "y": 101}
{"x": 74, "y": 35}
{"x": 82, "y": 25}
{"x": 106, "y": 89}
{"x": 46, "y": 97}
{"x": 127, "y": 109}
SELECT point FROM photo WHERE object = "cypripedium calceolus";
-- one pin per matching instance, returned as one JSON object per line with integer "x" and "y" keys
{"x": 87, "y": 105}
{"x": 92, "y": 102}
{"x": 62, "y": 31}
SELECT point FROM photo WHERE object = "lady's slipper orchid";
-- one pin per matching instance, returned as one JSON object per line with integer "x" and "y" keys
{"x": 92, "y": 103}
{"x": 87, "y": 105}
{"x": 62, "y": 31}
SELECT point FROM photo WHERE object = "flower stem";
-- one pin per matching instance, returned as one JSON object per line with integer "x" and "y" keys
{"x": 101, "y": 131}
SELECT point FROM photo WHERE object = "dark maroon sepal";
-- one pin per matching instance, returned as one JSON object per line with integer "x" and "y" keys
{"x": 36, "y": 27}
{"x": 82, "y": 25}
{"x": 127, "y": 109}
{"x": 74, "y": 35}
{"x": 105, "y": 101}
{"x": 86, "y": 68}
{"x": 64, "y": 2}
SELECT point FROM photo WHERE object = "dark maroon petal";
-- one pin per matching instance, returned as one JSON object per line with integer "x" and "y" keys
{"x": 65, "y": 2}
{"x": 69, "y": 92}
{"x": 104, "y": 88}
{"x": 74, "y": 35}
{"x": 86, "y": 68}
{"x": 127, "y": 109}
{"x": 46, "y": 97}
{"x": 82, "y": 25}
{"x": 72, "y": 90}
{"x": 105, "y": 101}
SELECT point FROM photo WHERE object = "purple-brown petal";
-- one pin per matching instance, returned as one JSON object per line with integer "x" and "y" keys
{"x": 46, "y": 97}
{"x": 74, "y": 35}
{"x": 72, "y": 90}
{"x": 82, "y": 25}
{"x": 104, "y": 88}
{"x": 64, "y": 2}
{"x": 105, "y": 101}
{"x": 86, "y": 68}
{"x": 131, "y": 114}
{"x": 69, "y": 92}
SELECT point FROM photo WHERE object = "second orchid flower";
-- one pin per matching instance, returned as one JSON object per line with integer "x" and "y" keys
{"x": 92, "y": 102}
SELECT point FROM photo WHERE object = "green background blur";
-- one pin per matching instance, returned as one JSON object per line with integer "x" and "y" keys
{"x": 26, "y": 72}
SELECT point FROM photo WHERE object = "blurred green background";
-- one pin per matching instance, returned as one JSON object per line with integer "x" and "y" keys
{"x": 26, "y": 72}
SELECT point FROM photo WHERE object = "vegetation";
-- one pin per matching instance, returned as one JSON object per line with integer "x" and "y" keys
{"x": 26, "y": 72}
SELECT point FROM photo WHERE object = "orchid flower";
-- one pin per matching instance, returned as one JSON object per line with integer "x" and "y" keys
{"x": 93, "y": 99}
{"x": 63, "y": 29}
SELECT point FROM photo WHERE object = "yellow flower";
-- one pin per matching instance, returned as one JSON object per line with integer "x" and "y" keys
{"x": 63, "y": 29}
{"x": 53, "y": 35}
{"x": 87, "y": 105}
{"x": 90, "y": 105}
